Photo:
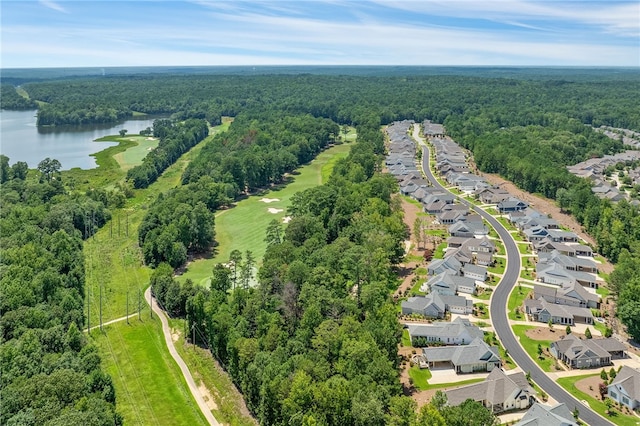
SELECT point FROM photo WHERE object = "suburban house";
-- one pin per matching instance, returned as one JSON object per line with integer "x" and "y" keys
{"x": 463, "y": 256}
{"x": 543, "y": 311}
{"x": 498, "y": 392}
{"x": 474, "y": 272}
{"x": 438, "y": 266}
{"x": 492, "y": 195}
{"x": 434, "y": 305}
{"x": 556, "y": 274}
{"x": 560, "y": 236}
{"x": 457, "y": 332}
{"x": 535, "y": 234}
{"x": 431, "y": 306}
{"x": 545, "y": 415}
{"x": 449, "y": 285}
{"x": 568, "y": 262}
{"x": 625, "y": 389}
{"x": 475, "y": 357}
{"x": 463, "y": 228}
{"x": 546, "y": 245}
{"x": 572, "y": 295}
{"x": 432, "y": 130}
{"x": 587, "y": 353}
{"x": 511, "y": 204}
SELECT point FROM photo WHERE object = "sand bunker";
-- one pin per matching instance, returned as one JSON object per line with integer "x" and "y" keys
{"x": 286, "y": 219}
{"x": 274, "y": 211}
{"x": 269, "y": 200}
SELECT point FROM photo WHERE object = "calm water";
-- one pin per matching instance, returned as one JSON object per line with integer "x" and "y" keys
{"x": 21, "y": 140}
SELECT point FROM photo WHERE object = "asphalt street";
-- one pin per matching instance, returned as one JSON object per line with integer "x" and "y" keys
{"x": 498, "y": 314}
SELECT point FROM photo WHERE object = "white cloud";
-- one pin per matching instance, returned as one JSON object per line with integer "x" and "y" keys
{"x": 53, "y": 5}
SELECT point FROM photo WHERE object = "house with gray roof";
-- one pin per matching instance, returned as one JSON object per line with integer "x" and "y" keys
{"x": 457, "y": 332}
{"x": 571, "y": 263}
{"x": 625, "y": 389}
{"x": 561, "y": 236}
{"x": 432, "y": 130}
{"x": 499, "y": 392}
{"x": 572, "y": 250}
{"x": 475, "y": 357}
{"x": 543, "y": 311}
{"x": 535, "y": 234}
{"x": 587, "y": 353}
{"x": 448, "y": 284}
{"x": 545, "y": 415}
{"x": 572, "y": 295}
{"x": 463, "y": 255}
{"x": 556, "y": 274}
{"x": 438, "y": 266}
{"x": 511, "y": 204}
{"x": 464, "y": 228}
{"x": 492, "y": 195}
{"x": 474, "y": 272}
{"x": 430, "y": 306}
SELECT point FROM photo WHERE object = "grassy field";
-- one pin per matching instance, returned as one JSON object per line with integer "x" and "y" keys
{"x": 149, "y": 385}
{"x": 242, "y": 227}
{"x": 531, "y": 347}
{"x": 421, "y": 378}
{"x": 598, "y": 406}
{"x": 516, "y": 298}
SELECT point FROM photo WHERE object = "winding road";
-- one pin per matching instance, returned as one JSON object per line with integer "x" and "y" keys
{"x": 498, "y": 307}
{"x": 166, "y": 331}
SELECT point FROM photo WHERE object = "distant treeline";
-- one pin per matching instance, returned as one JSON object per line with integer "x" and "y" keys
{"x": 609, "y": 100}
{"x": 10, "y": 99}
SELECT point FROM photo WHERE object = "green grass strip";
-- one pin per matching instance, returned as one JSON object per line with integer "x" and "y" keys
{"x": 149, "y": 385}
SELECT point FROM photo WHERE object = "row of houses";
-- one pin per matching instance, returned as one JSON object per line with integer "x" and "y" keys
{"x": 594, "y": 170}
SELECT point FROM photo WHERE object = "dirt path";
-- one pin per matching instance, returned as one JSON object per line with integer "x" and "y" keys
{"x": 195, "y": 391}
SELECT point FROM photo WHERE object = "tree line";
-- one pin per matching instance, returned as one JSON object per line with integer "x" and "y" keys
{"x": 176, "y": 138}
{"x": 50, "y": 373}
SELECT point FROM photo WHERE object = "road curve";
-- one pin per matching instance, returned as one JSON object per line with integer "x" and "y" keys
{"x": 178, "y": 359}
{"x": 498, "y": 308}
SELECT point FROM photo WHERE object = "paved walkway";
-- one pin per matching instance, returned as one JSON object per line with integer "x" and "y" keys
{"x": 178, "y": 359}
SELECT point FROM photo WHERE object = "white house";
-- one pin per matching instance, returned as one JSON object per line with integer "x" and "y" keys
{"x": 625, "y": 389}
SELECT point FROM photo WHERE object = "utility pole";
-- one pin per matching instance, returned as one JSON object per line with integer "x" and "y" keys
{"x": 88, "y": 310}
{"x": 193, "y": 327}
{"x": 139, "y": 303}
{"x": 100, "y": 306}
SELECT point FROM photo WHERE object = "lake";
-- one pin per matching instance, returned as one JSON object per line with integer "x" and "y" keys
{"x": 22, "y": 140}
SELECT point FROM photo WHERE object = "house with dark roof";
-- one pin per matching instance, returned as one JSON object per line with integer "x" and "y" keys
{"x": 492, "y": 195}
{"x": 511, "y": 204}
{"x": 545, "y": 415}
{"x": 475, "y": 357}
{"x": 587, "y": 353}
{"x": 499, "y": 392}
{"x": 457, "y": 332}
{"x": 543, "y": 311}
{"x": 572, "y": 250}
{"x": 464, "y": 228}
{"x": 625, "y": 389}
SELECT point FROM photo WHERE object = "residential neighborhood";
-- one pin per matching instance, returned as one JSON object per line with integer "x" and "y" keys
{"x": 441, "y": 320}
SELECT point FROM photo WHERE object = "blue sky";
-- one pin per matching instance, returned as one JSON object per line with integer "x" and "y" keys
{"x": 59, "y": 33}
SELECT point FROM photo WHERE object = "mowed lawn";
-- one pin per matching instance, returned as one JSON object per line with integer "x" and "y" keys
{"x": 150, "y": 389}
{"x": 134, "y": 155}
{"x": 243, "y": 226}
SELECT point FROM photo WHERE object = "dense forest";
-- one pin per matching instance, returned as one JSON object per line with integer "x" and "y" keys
{"x": 51, "y": 374}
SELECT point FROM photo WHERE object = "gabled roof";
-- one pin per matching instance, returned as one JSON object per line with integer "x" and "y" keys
{"x": 628, "y": 379}
{"x": 495, "y": 389}
{"x": 452, "y": 329}
{"x": 573, "y": 347}
{"x": 544, "y": 415}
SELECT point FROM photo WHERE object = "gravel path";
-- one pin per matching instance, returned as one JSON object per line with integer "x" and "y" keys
{"x": 197, "y": 395}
